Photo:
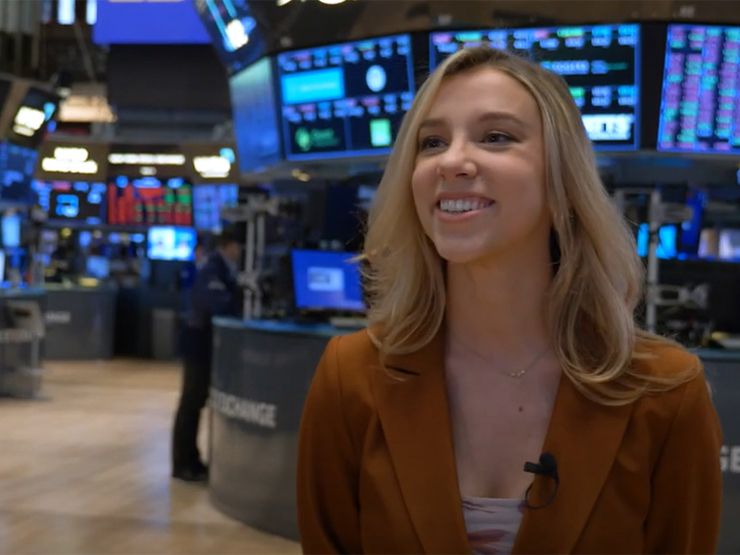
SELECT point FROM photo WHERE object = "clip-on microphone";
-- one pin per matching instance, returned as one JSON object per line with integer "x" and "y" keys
{"x": 547, "y": 466}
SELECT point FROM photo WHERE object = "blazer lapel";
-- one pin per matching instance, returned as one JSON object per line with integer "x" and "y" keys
{"x": 411, "y": 398}
{"x": 584, "y": 437}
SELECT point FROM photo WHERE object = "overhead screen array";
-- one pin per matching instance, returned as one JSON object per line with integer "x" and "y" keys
{"x": 700, "y": 109}
{"x": 600, "y": 64}
{"x": 345, "y": 99}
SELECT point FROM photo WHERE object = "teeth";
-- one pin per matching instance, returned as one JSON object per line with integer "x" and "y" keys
{"x": 465, "y": 205}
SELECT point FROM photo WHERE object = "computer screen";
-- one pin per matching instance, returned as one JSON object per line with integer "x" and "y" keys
{"x": 233, "y": 31}
{"x": 11, "y": 230}
{"x": 150, "y": 201}
{"x": 208, "y": 201}
{"x": 345, "y": 99}
{"x": 17, "y": 164}
{"x": 326, "y": 280}
{"x": 97, "y": 267}
{"x": 74, "y": 202}
{"x": 667, "y": 239}
{"x": 255, "y": 114}
{"x": 700, "y": 108}
{"x": 729, "y": 245}
{"x": 171, "y": 243}
{"x": 600, "y": 64}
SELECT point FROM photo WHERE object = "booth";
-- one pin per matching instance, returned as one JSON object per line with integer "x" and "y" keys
{"x": 261, "y": 375}
{"x": 80, "y": 322}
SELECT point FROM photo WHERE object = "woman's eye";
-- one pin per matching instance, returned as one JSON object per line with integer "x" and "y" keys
{"x": 497, "y": 138}
{"x": 430, "y": 142}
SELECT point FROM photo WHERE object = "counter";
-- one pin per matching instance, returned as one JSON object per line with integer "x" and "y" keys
{"x": 80, "y": 322}
{"x": 723, "y": 372}
{"x": 261, "y": 375}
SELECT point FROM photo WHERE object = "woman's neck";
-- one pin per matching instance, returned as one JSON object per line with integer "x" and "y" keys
{"x": 497, "y": 309}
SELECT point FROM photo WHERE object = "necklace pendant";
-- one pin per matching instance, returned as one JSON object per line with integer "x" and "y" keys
{"x": 517, "y": 374}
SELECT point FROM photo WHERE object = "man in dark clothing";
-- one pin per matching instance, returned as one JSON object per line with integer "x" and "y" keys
{"x": 215, "y": 293}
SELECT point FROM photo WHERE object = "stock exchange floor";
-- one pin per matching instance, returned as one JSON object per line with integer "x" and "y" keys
{"x": 86, "y": 470}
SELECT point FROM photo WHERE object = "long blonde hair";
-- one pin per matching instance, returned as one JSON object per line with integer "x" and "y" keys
{"x": 597, "y": 284}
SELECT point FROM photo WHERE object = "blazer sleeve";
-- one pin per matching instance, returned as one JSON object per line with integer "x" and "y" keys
{"x": 687, "y": 481}
{"x": 328, "y": 466}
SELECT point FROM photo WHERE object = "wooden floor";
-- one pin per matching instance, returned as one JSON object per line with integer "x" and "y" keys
{"x": 86, "y": 471}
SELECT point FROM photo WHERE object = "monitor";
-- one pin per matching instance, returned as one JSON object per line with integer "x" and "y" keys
{"x": 97, "y": 267}
{"x": 326, "y": 281}
{"x": 149, "y": 201}
{"x": 345, "y": 99}
{"x": 78, "y": 202}
{"x": 667, "y": 238}
{"x": 233, "y": 30}
{"x": 208, "y": 200}
{"x": 32, "y": 117}
{"x": 11, "y": 231}
{"x": 17, "y": 164}
{"x": 729, "y": 245}
{"x": 255, "y": 114}
{"x": 148, "y": 22}
{"x": 600, "y": 64}
{"x": 171, "y": 243}
{"x": 700, "y": 107}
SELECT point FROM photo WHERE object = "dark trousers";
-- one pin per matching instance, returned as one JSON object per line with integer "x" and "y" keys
{"x": 196, "y": 381}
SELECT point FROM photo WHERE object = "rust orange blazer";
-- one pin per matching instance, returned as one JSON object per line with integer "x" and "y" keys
{"x": 376, "y": 466}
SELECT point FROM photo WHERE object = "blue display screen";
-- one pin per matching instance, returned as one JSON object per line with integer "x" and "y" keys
{"x": 17, "y": 164}
{"x": 149, "y": 22}
{"x": 11, "y": 229}
{"x": 667, "y": 236}
{"x": 171, "y": 243}
{"x": 255, "y": 114}
{"x": 700, "y": 107}
{"x": 345, "y": 99}
{"x": 600, "y": 64}
{"x": 208, "y": 200}
{"x": 326, "y": 280}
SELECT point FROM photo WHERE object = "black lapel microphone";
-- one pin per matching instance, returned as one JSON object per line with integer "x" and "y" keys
{"x": 547, "y": 466}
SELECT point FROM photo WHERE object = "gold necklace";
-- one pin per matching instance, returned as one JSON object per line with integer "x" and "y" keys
{"x": 520, "y": 373}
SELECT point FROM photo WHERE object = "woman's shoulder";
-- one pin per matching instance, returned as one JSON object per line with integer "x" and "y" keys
{"x": 664, "y": 359}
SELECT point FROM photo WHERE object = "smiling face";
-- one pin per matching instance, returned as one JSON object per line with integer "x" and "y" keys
{"x": 479, "y": 179}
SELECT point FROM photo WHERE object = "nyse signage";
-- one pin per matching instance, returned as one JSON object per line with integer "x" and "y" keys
{"x": 211, "y": 162}
{"x": 72, "y": 161}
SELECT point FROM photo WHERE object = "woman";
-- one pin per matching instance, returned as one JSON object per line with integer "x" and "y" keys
{"x": 503, "y": 285}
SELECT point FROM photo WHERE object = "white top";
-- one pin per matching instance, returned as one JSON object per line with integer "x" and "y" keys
{"x": 492, "y": 524}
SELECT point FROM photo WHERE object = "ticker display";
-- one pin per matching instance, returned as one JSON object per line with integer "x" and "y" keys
{"x": 700, "y": 109}
{"x": 600, "y": 64}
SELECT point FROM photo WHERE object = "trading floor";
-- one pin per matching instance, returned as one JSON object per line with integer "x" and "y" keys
{"x": 86, "y": 470}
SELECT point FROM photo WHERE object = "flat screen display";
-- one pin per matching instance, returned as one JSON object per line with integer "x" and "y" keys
{"x": 17, "y": 164}
{"x": 32, "y": 117}
{"x": 600, "y": 64}
{"x": 149, "y": 201}
{"x": 326, "y": 280}
{"x": 208, "y": 200}
{"x": 148, "y": 22}
{"x": 75, "y": 202}
{"x": 11, "y": 230}
{"x": 345, "y": 99}
{"x": 233, "y": 31}
{"x": 171, "y": 243}
{"x": 667, "y": 241}
{"x": 700, "y": 108}
{"x": 255, "y": 114}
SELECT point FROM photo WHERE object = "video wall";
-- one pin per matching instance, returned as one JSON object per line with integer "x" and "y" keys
{"x": 348, "y": 100}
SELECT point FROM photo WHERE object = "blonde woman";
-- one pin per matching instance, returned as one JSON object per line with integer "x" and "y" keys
{"x": 503, "y": 286}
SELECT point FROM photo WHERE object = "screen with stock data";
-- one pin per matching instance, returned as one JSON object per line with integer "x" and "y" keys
{"x": 599, "y": 63}
{"x": 700, "y": 109}
{"x": 345, "y": 99}
{"x": 150, "y": 201}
